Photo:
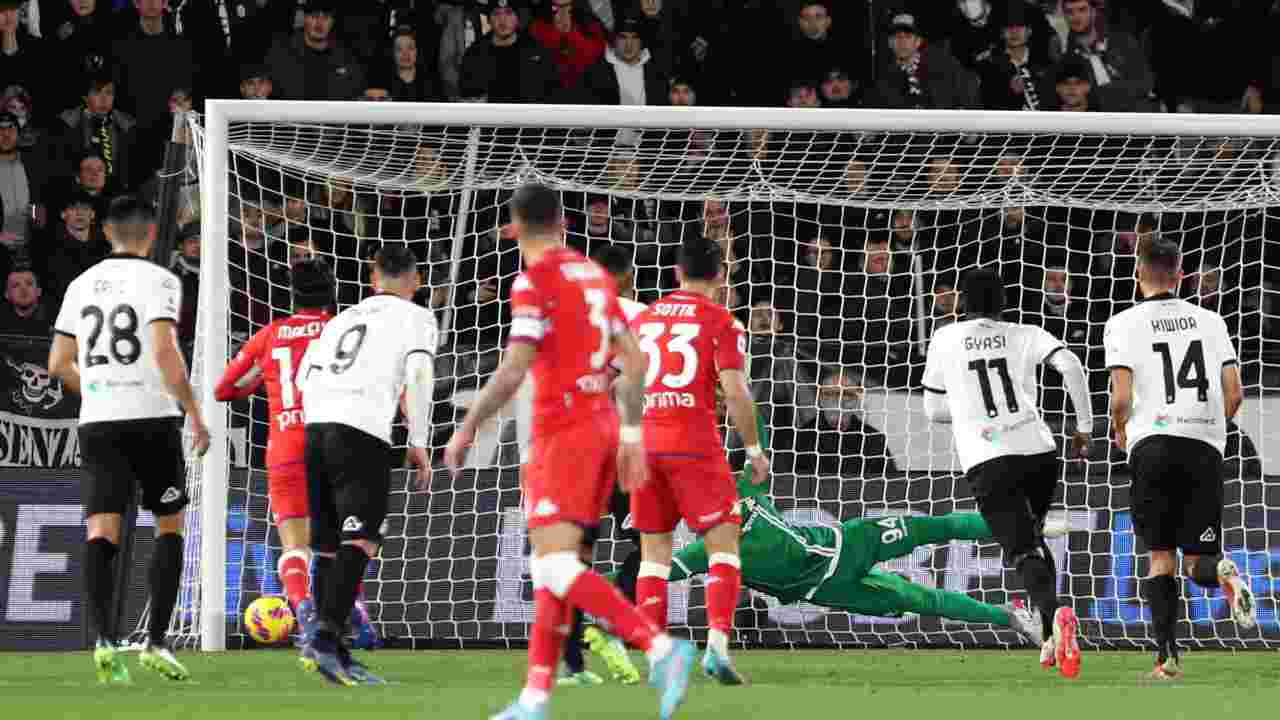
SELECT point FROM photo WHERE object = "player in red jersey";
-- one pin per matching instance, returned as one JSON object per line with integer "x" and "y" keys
{"x": 272, "y": 356}
{"x": 566, "y": 324}
{"x": 694, "y": 344}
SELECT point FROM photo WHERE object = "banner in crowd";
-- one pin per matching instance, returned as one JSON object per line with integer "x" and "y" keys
{"x": 37, "y": 416}
{"x": 41, "y": 544}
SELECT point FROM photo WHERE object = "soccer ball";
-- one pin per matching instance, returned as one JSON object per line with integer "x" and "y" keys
{"x": 268, "y": 620}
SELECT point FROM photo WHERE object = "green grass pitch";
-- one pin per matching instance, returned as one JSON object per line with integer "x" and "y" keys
{"x": 798, "y": 685}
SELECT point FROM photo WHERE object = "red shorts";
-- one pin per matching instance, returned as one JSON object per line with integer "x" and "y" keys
{"x": 570, "y": 474}
{"x": 287, "y": 490}
{"x": 699, "y": 489}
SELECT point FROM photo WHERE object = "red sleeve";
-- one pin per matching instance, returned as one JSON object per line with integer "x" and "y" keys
{"x": 245, "y": 360}
{"x": 730, "y": 345}
{"x": 528, "y": 312}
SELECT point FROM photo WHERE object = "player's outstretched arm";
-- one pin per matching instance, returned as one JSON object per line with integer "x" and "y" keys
{"x": 62, "y": 361}
{"x": 742, "y": 410}
{"x": 173, "y": 370}
{"x": 1072, "y": 370}
{"x": 495, "y": 395}
{"x": 242, "y": 377}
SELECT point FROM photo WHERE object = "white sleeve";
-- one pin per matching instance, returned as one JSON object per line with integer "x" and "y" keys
{"x": 419, "y": 389}
{"x": 1115, "y": 343}
{"x": 936, "y": 408}
{"x": 1066, "y": 362}
{"x": 1043, "y": 345}
{"x": 69, "y": 313}
{"x": 165, "y": 300}
{"x": 934, "y": 380}
{"x": 1228, "y": 349}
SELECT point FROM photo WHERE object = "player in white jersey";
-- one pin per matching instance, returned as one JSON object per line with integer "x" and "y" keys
{"x": 1175, "y": 383}
{"x": 116, "y": 345}
{"x": 980, "y": 376}
{"x": 353, "y": 377}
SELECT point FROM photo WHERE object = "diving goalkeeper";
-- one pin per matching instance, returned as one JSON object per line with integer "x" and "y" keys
{"x": 836, "y": 567}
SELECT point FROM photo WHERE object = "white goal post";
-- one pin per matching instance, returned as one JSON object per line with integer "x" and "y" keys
{"x": 936, "y": 189}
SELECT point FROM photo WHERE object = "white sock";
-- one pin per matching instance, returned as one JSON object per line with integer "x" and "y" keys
{"x": 659, "y": 649}
{"x": 719, "y": 642}
{"x": 533, "y": 699}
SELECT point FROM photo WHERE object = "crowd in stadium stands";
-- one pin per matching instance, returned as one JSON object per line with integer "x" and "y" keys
{"x": 90, "y": 88}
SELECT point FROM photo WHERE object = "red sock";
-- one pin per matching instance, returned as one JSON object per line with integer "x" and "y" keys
{"x": 546, "y": 639}
{"x": 651, "y": 598}
{"x": 723, "y": 585}
{"x": 360, "y": 591}
{"x": 293, "y": 571}
{"x": 602, "y": 598}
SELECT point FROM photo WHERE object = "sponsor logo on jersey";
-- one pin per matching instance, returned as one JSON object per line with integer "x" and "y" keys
{"x": 352, "y": 524}
{"x": 286, "y": 419}
{"x": 1208, "y": 535}
{"x": 33, "y": 387}
{"x": 990, "y": 433}
{"x": 668, "y": 399}
{"x": 544, "y": 508}
{"x": 171, "y": 495}
{"x": 581, "y": 271}
{"x": 596, "y": 383}
{"x": 1162, "y": 421}
{"x": 293, "y": 332}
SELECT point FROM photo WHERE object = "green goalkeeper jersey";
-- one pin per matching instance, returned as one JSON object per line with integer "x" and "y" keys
{"x": 786, "y": 561}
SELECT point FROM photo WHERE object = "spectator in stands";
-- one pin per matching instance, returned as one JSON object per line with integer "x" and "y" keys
{"x": 1118, "y": 68}
{"x": 663, "y": 33}
{"x": 23, "y": 58}
{"x": 816, "y": 50}
{"x": 507, "y": 66}
{"x": 1074, "y": 87}
{"x": 597, "y": 229}
{"x": 89, "y": 178}
{"x": 255, "y": 82}
{"x": 312, "y": 66}
{"x": 1232, "y": 56}
{"x": 407, "y": 72}
{"x": 99, "y": 127}
{"x": 569, "y": 30}
{"x": 186, "y": 265}
{"x": 944, "y": 301}
{"x": 974, "y": 32}
{"x": 1012, "y": 77}
{"x": 16, "y": 101}
{"x": 626, "y": 75}
{"x": 461, "y": 24}
{"x": 682, "y": 93}
{"x": 21, "y": 187}
{"x": 837, "y": 89}
{"x": 877, "y": 310}
{"x": 917, "y": 77}
{"x": 153, "y": 61}
{"x": 1114, "y": 266}
{"x": 818, "y": 298}
{"x": 1063, "y": 306}
{"x": 764, "y": 320}
{"x": 1204, "y": 287}
{"x": 24, "y": 313}
{"x": 903, "y": 236}
{"x": 837, "y": 441}
{"x": 79, "y": 35}
{"x": 75, "y": 245}
{"x": 803, "y": 94}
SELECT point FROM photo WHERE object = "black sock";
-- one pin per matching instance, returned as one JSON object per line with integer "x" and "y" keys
{"x": 321, "y": 568}
{"x": 1162, "y": 595}
{"x": 627, "y": 576}
{"x": 99, "y": 577}
{"x": 573, "y": 646}
{"x": 1205, "y": 572}
{"x": 1046, "y": 619}
{"x": 163, "y": 577}
{"x": 343, "y": 582}
{"x": 1038, "y": 576}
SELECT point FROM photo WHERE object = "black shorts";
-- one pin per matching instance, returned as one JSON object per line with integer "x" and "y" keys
{"x": 121, "y": 456}
{"x": 1014, "y": 493}
{"x": 348, "y": 481}
{"x": 1176, "y": 494}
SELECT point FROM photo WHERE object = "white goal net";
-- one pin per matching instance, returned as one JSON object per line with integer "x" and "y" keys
{"x": 846, "y": 233}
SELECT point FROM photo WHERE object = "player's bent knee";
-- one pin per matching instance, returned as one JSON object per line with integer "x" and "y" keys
{"x": 556, "y": 572}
